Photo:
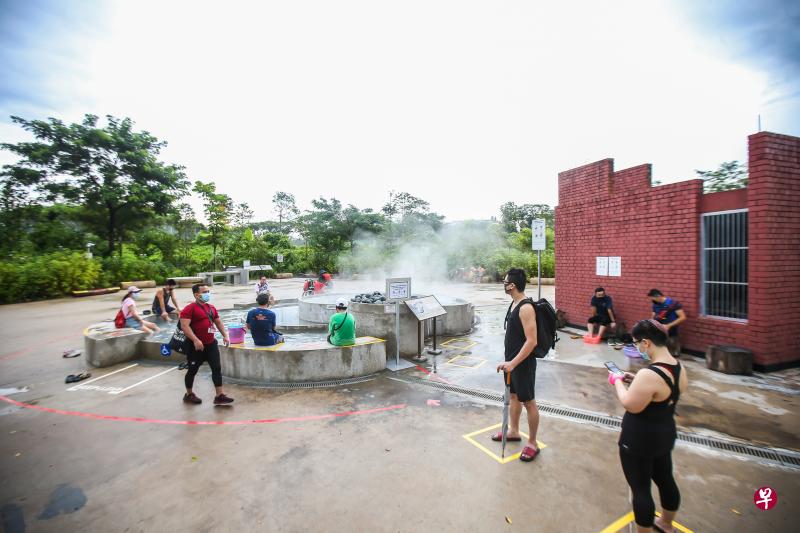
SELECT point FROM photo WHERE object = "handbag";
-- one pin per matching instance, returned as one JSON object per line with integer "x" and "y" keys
{"x": 178, "y": 341}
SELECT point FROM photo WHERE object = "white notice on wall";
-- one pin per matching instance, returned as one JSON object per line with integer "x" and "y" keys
{"x": 615, "y": 266}
{"x": 602, "y": 266}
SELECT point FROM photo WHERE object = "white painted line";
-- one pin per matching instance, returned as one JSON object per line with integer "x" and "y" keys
{"x": 76, "y": 387}
{"x": 144, "y": 380}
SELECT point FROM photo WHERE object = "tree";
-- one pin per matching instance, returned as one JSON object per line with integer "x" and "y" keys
{"x": 515, "y": 217}
{"x": 730, "y": 175}
{"x": 242, "y": 215}
{"x": 217, "y": 208}
{"x": 285, "y": 206}
{"x": 114, "y": 172}
{"x": 401, "y": 204}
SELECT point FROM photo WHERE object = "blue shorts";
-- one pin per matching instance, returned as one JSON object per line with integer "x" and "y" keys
{"x": 131, "y": 322}
{"x": 157, "y": 309}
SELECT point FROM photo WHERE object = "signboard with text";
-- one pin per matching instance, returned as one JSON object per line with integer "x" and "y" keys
{"x": 425, "y": 307}
{"x": 539, "y": 238}
{"x": 398, "y": 289}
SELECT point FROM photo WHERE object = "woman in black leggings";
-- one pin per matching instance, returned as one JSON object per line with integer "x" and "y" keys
{"x": 648, "y": 427}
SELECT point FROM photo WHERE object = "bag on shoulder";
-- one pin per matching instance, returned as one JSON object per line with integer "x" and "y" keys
{"x": 546, "y": 336}
{"x": 119, "y": 320}
{"x": 546, "y": 319}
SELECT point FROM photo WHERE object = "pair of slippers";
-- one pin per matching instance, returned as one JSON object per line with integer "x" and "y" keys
{"x": 72, "y": 378}
{"x": 528, "y": 454}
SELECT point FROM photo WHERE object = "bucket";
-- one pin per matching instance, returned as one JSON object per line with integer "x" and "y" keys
{"x": 236, "y": 333}
{"x": 591, "y": 340}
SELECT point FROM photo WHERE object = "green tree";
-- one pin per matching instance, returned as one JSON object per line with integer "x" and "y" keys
{"x": 217, "y": 208}
{"x": 241, "y": 216}
{"x": 112, "y": 171}
{"x": 730, "y": 175}
{"x": 286, "y": 207}
{"x": 401, "y": 204}
{"x": 515, "y": 217}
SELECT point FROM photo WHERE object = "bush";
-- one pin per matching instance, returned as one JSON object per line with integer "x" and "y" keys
{"x": 131, "y": 267}
{"x": 24, "y": 278}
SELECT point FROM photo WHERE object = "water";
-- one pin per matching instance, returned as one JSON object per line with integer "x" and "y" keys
{"x": 237, "y": 316}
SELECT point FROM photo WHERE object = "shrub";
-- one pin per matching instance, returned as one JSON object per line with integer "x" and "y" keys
{"x": 24, "y": 278}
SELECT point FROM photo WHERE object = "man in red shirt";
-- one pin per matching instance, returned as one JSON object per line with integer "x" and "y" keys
{"x": 198, "y": 321}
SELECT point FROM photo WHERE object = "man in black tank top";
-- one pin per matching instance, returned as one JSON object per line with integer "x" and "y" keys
{"x": 520, "y": 361}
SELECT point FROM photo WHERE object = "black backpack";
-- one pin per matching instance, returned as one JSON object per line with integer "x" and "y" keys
{"x": 546, "y": 336}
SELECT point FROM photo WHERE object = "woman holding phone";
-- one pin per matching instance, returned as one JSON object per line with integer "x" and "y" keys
{"x": 648, "y": 426}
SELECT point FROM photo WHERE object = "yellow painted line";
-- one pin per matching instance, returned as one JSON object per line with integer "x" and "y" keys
{"x": 619, "y": 523}
{"x": 482, "y": 361}
{"x": 623, "y": 521}
{"x": 308, "y": 346}
{"x": 449, "y": 343}
{"x": 492, "y": 454}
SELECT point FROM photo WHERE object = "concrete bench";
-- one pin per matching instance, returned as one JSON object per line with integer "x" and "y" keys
{"x": 188, "y": 281}
{"x": 142, "y": 284}
{"x": 231, "y": 276}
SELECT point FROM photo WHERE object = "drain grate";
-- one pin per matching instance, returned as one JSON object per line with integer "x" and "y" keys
{"x": 785, "y": 458}
{"x": 303, "y": 384}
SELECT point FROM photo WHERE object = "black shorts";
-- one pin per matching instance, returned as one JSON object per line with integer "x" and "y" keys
{"x": 523, "y": 380}
{"x": 602, "y": 320}
{"x": 157, "y": 309}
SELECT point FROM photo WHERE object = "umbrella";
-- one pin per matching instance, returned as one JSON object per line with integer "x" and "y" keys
{"x": 506, "y": 402}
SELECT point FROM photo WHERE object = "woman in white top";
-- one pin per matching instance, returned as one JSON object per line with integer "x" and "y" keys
{"x": 132, "y": 318}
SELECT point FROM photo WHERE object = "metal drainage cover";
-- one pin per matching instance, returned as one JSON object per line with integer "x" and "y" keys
{"x": 785, "y": 458}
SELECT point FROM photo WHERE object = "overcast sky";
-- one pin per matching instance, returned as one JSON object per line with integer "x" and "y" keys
{"x": 465, "y": 104}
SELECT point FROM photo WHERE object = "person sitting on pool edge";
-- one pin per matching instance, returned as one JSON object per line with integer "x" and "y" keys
{"x": 163, "y": 295}
{"x": 261, "y": 323}
{"x": 342, "y": 326}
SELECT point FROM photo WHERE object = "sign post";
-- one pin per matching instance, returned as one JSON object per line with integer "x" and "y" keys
{"x": 538, "y": 243}
{"x": 427, "y": 308}
{"x": 397, "y": 290}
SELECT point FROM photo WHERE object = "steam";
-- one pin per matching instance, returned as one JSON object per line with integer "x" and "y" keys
{"x": 416, "y": 251}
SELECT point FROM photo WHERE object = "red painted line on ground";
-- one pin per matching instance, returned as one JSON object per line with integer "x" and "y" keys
{"x": 25, "y": 351}
{"x": 433, "y": 376}
{"x": 199, "y": 422}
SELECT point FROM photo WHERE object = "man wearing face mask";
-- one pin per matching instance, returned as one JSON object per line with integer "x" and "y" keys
{"x": 520, "y": 361}
{"x": 670, "y": 313}
{"x": 200, "y": 321}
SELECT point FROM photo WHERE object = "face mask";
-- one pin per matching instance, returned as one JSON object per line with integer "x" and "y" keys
{"x": 206, "y": 297}
{"x": 643, "y": 354}
{"x": 135, "y": 295}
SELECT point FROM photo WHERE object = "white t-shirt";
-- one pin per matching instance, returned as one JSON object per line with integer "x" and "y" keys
{"x": 128, "y": 305}
{"x": 260, "y": 289}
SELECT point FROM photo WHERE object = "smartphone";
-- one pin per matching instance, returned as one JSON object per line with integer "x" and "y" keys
{"x": 613, "y": 368}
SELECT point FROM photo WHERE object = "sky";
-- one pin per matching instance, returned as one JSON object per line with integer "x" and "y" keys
{"x": 465, "y": 104}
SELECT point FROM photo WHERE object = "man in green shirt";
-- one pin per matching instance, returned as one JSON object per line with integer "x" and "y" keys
{"x": 342, "y": 326}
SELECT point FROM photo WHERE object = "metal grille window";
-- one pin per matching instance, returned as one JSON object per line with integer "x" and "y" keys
{"x": 724, "y": 262}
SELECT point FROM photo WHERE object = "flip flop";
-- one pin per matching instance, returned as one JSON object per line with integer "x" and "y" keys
{"x": 528, "y": 454}
{"x": 617, "y": 347}
{"x": 71, "y": 353}
{"x": 575, "y": 336}
{"x": 498, "y": 437}
{"x": 72, "y": 378}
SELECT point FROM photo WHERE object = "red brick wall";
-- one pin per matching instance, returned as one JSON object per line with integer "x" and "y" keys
{"x": 656, "y": 232}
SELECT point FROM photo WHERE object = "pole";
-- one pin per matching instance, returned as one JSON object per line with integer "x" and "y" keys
{"x": 539, "y": 268}
{"x": 434, "y": 351}
{"x": 397, "y": 333}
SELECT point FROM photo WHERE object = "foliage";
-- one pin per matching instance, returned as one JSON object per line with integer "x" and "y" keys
{"x": 516, "y": 217}
{"x": 217, "y": 208}
{"x": 730, "y": 175}
{"x": 34, "y": 277}
{"x": 113, "y": 172}
{"x": 286, "y": 207}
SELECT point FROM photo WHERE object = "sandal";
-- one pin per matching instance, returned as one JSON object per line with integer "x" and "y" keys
{"x": 72, "y": 378}
{"x": 498, "y": 437}
{"x": 71, "y": 353}
{"x": 575, "y": 336}
{"x": 528, "y": 454}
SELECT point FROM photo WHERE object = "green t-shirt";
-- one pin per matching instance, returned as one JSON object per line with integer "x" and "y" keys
{"x": 345, "y": 333}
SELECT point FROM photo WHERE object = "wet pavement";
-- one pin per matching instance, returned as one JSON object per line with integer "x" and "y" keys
{"x": 381, "y": 455}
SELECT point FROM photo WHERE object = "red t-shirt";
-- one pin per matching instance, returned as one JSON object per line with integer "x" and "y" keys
{"x": 198, "y": 315}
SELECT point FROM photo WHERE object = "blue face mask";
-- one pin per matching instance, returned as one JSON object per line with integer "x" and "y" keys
{"x": 206, "y": 297}
{"x": 644, "y": 355}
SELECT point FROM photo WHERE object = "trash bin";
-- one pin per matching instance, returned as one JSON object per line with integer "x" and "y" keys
{"x": 729, "y": 359}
